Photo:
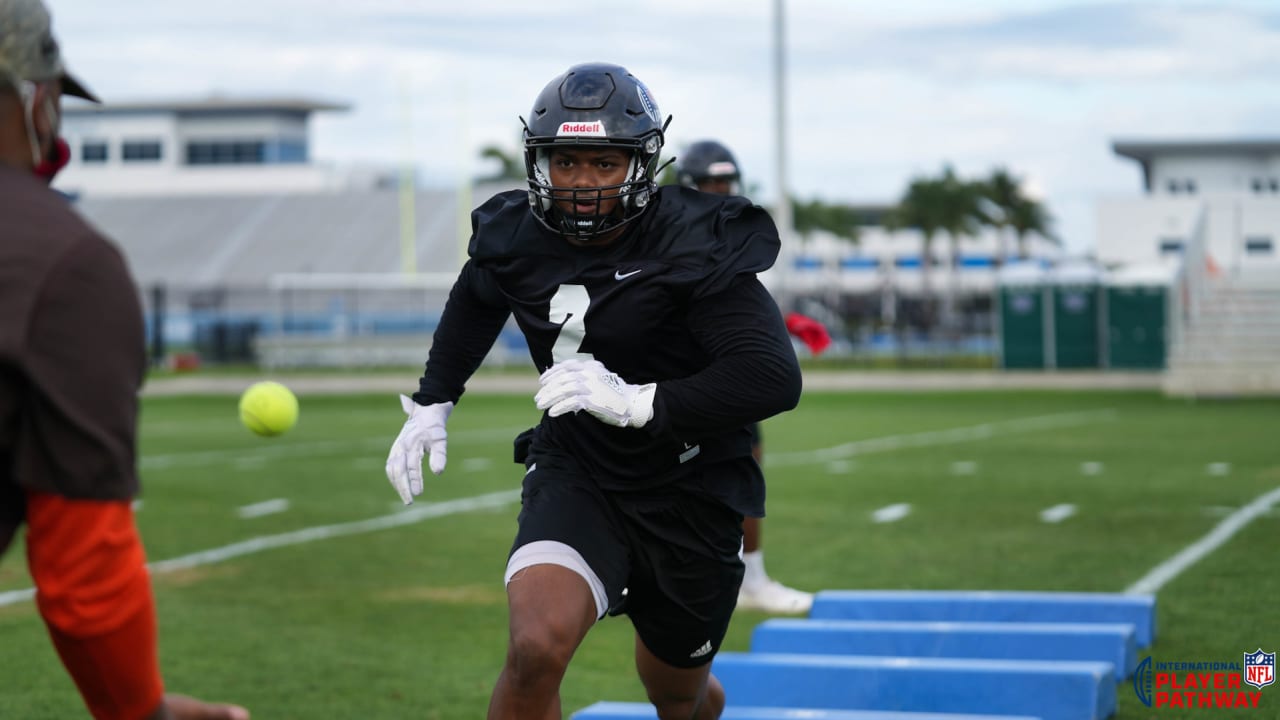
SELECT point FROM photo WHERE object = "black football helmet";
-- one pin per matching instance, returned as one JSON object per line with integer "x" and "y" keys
{"x": 593, "y": 105}
{"x": 708, "y": 160}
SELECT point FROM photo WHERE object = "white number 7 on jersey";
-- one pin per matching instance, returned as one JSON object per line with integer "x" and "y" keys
{"x": 569, "y": 309}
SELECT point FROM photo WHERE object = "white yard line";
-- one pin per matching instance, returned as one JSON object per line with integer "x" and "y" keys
{"x": 891, "y": 513}
{"x": 415, "y": 514}
{"x": 1058, "y": 513}
{"x": 972, "y": 433}
{"x": 1190, "y": 555}
{"x": 273, "y": 450}
{"x": 266, "y": 507}
{"x": 499, "y": 499}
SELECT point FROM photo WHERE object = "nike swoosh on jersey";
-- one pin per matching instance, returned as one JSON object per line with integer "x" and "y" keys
{"x": 619, "y": 275}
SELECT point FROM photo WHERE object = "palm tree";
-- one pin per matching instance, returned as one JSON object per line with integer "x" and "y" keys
{"x": 1029, "y": 216}
{"x": 1002, "y": 193}
{"x": 510, "y": 167}
{"x": 1009, "y": 208}
{"x": 839, "y": 220}
{"x": 959, "y": 213}
{"x": 920, "y": 208}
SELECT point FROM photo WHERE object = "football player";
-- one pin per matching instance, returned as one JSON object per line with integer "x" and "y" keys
{"x": 657, "y": 346}
{"x": 709, "y": 166}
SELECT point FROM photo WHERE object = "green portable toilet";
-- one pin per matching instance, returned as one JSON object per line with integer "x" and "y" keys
{"x": 1021, "y": 315}
{"x": 1075, "y": 331}
{"x": 1136, "y": 302}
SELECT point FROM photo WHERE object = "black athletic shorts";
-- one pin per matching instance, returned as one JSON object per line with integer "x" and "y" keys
{"x": 675, "y": 553}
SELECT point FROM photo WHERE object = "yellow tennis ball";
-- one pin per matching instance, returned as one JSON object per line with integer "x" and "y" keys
{"x": 268, "y": 408}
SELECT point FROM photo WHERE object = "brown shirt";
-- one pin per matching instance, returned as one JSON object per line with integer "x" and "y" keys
{"x": 72, "y": 355}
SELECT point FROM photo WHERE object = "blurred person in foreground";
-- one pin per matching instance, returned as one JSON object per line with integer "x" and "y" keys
{"x": 709, "y": 166}
{"x": 71, "y": 362}
{"x": 657, "y": 347}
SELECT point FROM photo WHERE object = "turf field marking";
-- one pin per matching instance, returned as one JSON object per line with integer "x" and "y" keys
{"x": 262, "y": 453}
{"x": 400, "y": 518}
{"x": 1223, "y": 511}
{"x": 1218, "y": 469}
{"x": 891, "y": 513}
{"x": 493, "y": 500}
{"x": 964, "y": 467}
{"x": 1190, "y": 555}
{"x": 1091, "y": 468}
{"x": 266, "y": 507}
{"x": 971, "y": 433}
{"x": 1057, "y": 513}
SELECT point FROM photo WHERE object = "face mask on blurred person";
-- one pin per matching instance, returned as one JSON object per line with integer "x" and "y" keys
{"x": 58, "y": 158}
{"x": 43, "y": 166}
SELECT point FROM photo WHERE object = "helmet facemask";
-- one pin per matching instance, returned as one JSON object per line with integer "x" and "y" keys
{"x": 633, "y": 194}
{"x": 589, "y": 108}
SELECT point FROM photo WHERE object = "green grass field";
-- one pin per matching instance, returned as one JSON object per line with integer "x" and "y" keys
{"x": 410, "y": 620}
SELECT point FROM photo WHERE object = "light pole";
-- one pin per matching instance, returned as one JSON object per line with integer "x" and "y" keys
{"x": 782, "y": 213}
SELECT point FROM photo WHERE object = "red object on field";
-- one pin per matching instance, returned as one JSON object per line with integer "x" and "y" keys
{"x": 809, "y": 331}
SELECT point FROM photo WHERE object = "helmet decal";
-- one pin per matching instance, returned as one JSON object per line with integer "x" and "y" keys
{"x": 650, "y": 107}
{"x": 723, "y": 168}
{"x": 590, "y": 128}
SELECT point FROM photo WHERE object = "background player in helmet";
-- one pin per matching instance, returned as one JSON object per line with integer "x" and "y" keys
{"x": 709, "y": 166}
{"x": 657, "y": 346}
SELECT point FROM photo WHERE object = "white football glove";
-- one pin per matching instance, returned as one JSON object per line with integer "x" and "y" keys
{"x": 423, "y": 432}
{"x": 575, "y": 385}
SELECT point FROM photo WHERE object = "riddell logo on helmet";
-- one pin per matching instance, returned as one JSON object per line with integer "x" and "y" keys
{"x": 594, "y": 128}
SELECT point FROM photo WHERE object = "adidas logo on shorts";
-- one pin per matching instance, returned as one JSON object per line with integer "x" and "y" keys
{"x": 706, "y": 648}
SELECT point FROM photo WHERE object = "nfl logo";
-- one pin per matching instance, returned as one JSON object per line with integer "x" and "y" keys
{"x": 1259, "y": 668}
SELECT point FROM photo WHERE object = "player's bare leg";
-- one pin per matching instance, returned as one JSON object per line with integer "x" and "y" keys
{"x": 551, "y": 610}
{"x": 679, "y": 693}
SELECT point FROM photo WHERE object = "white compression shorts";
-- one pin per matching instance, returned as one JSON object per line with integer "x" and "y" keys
{"x": 550, "y": 552}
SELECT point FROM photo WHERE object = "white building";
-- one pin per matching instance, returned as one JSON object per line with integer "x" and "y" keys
{"x": 1235, "y": 182}
{"x": 213, "y": 146}
{"x": 883, "y": 259}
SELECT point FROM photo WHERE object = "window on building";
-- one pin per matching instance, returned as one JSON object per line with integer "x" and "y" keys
{"x": 1172, "y": 186}
{"x": 1257, "y": 185}
{"x": 1275, "y": 185}
{"x": 226, "y": 152}
{"x": 140, "y": 151}
{"x": 1258, "y": 245}
{"x": 1191, "y": 186}
{"x": 1171, "y": 246}
{"x": 93, "y": 151}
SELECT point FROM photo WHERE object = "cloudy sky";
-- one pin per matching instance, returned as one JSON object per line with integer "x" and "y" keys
{"x": 878, "y": 91}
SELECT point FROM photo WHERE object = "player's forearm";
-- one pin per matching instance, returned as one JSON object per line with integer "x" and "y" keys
{"x": 729, "y": 394}
{"x": 95, "y": 597}
{"x": 754, "y": 374}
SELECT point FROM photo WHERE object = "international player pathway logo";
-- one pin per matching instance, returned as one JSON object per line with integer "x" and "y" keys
{"x": 1212, "y": 684}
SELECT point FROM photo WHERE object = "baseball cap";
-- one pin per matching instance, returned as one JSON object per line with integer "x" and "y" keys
{"x": 28, "y": 50}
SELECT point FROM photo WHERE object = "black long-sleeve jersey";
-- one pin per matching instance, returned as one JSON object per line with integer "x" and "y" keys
{"x": 674, "y": 300}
